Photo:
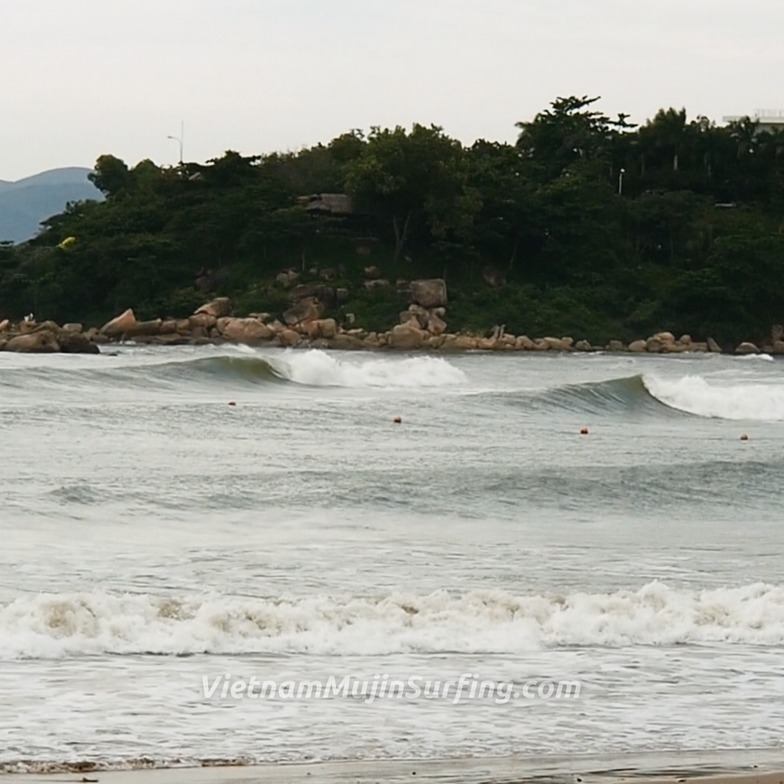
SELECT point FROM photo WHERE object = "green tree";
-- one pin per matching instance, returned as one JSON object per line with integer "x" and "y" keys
{"x": 417, "y": 182}
{"x": 110, "y": 175}
{"x": 569, "y": 132}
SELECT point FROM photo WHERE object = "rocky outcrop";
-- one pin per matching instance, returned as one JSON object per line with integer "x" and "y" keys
{"x": 29, "y": 337}
{"x": 435, "y": 325}
{"x": 423, "y": 325}
{"x": 143, "y": 329}
{"x": 429, "y": 293}
{"x": 217, "y": 308}
{"x": 71, "y": 342}
{"x": 406, "y": 336}
{"x": 244, "y": 330}
{"x": 288, "y": 338}
{"x": 303, "y": 310}
{"x": 42, "y": 342}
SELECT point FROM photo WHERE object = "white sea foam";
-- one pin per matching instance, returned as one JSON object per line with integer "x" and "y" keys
{"x": 764, "y": 357}
{"x": 317, "y": 368}
{"x": 693, "y": 394}
{"x": 55, "y": 626}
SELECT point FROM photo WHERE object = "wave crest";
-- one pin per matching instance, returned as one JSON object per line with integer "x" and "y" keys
{"x": 317, "y": 368}
{"x": 62, "y": 625}
{"x": 694, "y": 395}
{"x": 654, "y": 395}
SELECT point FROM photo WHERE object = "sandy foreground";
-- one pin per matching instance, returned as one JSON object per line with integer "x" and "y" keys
{"x": 731, "y": 767}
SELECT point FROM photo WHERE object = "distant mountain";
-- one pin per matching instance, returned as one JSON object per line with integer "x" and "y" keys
{"x": 25, "y": 203}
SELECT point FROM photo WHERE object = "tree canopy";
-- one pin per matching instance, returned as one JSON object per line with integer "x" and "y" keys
{"x": 586, "y": 223}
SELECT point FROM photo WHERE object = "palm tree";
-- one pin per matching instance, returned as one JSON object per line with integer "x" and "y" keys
{"x": 668, "y": 128}
{"x": 744, "y": 132}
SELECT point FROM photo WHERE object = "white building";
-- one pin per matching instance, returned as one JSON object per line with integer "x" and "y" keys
{"x": 767, "y": 119}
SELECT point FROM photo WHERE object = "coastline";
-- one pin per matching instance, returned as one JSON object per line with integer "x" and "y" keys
{"x": 208, "y": 327}
{"x": 709, "y": 767}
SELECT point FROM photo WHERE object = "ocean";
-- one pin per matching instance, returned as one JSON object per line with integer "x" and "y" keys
{"x": 568, "y": 554}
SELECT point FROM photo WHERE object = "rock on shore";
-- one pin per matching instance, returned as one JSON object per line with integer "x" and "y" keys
{"x": 45, "y": 338}
{"x": 423, "y": 325}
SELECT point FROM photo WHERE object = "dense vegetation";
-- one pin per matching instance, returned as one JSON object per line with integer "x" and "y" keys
{"x": 586, "y": 226}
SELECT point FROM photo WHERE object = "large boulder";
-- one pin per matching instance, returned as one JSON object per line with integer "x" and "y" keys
{"x": 119, "y": 324}
{"x": 143, "y": 329}
{"x": 41, "y": 342}
{"x": 747, "y": 348}
{"x": 406, "y": 336}
{"x": 47, "y": 326}
{"x": 344, "y": 342}
{"x": 665, "y": 337}
{"x": 638, "y": 346}
{"x": 203, "y": 320}
{"x": 76, "y": 343}
{"x": 429, "y": 293}
{"x": 243, "y": 330}
{"x": 289, "y": 338}
{"x": 316, "y": 291}
{"x": 713, "y": 346}
{"x": 287, "y": 278}
{"x": 217, "y": 308}
{"x": 303, "y": 310}
{"x": 4, "y": 325}
{"x": 415, "y": 314}
{"x": 436, "y": 325}
{"x": 327, "y": 328}
{"x": 459, "y": 343}
{"x": 558, "y": 344}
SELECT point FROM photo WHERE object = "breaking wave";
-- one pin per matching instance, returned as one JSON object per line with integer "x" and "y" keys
{"x": 309, "y": 368}
{"x": 316, "y": 368}
{"x": 64, "y": 625}
{"x": 652, "y": 395}
{"x": 694, "y": 395}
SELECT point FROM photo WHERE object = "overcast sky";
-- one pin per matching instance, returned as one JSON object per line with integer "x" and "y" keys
{"x": 86, "y": 77}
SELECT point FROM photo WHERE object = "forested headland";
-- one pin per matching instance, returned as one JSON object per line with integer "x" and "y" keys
{"x": 585, "y": 226}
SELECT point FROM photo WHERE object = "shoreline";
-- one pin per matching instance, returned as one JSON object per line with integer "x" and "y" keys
{"x": 763, "y": 766}
{"x": 420, "y": 327}
{"x": 49, "y": 337}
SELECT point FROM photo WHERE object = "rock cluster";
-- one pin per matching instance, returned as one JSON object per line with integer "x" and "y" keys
{"x": 46, "y": 338}
{"x": 422, "y": 326}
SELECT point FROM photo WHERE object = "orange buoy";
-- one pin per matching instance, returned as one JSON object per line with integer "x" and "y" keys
{"x": 397, "y": 420}
{"x": 583, "y": 431}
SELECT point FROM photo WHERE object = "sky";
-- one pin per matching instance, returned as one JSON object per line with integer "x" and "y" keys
{"x": 82, "y": 78}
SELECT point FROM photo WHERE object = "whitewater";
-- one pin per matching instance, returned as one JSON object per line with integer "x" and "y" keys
{"x": 177, "y": 516}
